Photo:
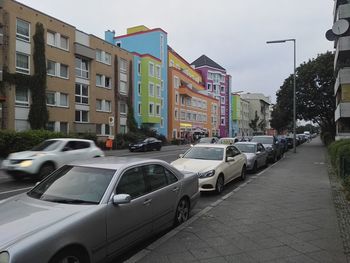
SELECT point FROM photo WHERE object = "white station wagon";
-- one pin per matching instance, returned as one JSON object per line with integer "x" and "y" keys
{"x": 48, "y": 156}
{"x": 216, "y": 165}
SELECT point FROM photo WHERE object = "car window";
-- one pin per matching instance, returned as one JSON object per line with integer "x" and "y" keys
{"x": 49, "y": 145}
{"x": 245, "y": 147}
{"x": 155, "y": 176}
{"x": 230, "y": 152}
{"x": 170, "y": 176}
{"x": 235, "y": 151}
{"x": 132, "y": 182}
{"x": 74, "y": 185}
{"x": 260, "y": 148}
{"x": 81, "y": 145}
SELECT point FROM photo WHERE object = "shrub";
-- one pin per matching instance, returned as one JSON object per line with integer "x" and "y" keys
{"x": 334, "y": 147}
{"x": 327, "y": 138}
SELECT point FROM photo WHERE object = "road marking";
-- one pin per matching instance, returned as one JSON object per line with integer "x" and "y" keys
{"x": 17, "y": 190}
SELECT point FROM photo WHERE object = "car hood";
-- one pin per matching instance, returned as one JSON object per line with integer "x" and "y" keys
{"x": 26, "y": 154}
{"x": 22, "y": 216}
{"x": 195, "y": 165}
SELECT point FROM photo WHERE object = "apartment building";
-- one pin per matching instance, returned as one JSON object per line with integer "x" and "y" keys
{"x": 217, "y": 83}
{"x": 152, "y": 42}
{"x": 87, "y": 78}
{"x": 240, "y": 116}
{"x": 191, "y": 112}
{"x": 258, "y": 105}
{"x": 341, "y": 34}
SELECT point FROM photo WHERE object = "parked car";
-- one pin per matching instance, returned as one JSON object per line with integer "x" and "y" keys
{"x": 148, "y": 144}
{"x": 94, "y": 210}
{"x": 283, "y": 142}
{"x": 216, "y": 165}
{"x": 49, "y": 155}
{"x": 271, "y": 145}
{"x": 290, "y": 142}
{"x": 255, "y": 153}
{"x": 227, "y": 140}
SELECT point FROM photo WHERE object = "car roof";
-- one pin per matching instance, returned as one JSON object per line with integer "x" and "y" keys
{"x": 69, "y": 139}
{"x": 211, "y": 145}
{"x": 112, "y": 162}
{"x": 247, "y": 142}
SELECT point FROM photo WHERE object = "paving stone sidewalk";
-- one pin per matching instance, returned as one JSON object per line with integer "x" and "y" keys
{"x": 286, "y": 214}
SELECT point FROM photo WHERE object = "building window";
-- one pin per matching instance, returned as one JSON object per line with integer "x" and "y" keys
{"x": 139, "y": 108}
{"x": 108, "y": 58}
{"x": 183, "y": 115}
{"x": 123, "y": 65}
{"x": 122, "y": 129}
{"x": 99, "y": 105}
{"x": 22, "y": 96}
{"x": 176, "y": 114}
{"x": 64, "y": 43}
{"x": 64, "y": 127}
{"x": 182, "y": 100}
{"x": 22, "y": 63}
{"x": 151, "y": 69}
{"x": 222, "y": 89}
{"x": 209, "y": 86}
{"x": 81, "y": 116}
{"x": 82, "y": 68}
{"x": 151, "y": 90}
{"x": 50, "y": 126}
{"x": 57, "y": 40}
{"x": 159, "y": 94}
{"x": 81, "y": 93}
{"x": 222, "y": 110}
{"x": 139, "y": 88}
{"x": 99, "y": 80}
{"x": 223, "y": 121}
{"x": 103, "y": 81}
{"x": 123, "y": 88}
{"x": 158, "y": 71}
{"x": 51, "y": 68}
{"x": 123, "y": 108}
{"x": 50, "y": 98}
{"x": 51, "y": 38}
{"x": 57, "y": 99}
{"x": 176, "y": 82}
{"x": 151, "y": 109}
{"x": 22, "y": 30}
{"x": 103, "y": 57}
{"x": 176, "y": 98}
{"x": 63, "y": 99}
{"x": 222, "y": 100}
{"x": 103, "y": 105}
{"x": 139, "y": 68}
{"x": 158, "y": 109}
{"x": 63, "y": 71}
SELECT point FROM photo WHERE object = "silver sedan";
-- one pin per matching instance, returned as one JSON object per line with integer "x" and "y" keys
{"x": 255, "y": 153}
{"x": 94, "y": 210}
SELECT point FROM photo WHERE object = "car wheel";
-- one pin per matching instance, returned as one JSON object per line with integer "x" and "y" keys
{"x": 144, "y": 148}
{"x": 182, "y": 212}
{"x": 255, "y": 167}
{"x": 70, "y": 256}
{"x": 220, "y": 183}
{"x": 45, "y": 170}
{"x": 243, "y": 173}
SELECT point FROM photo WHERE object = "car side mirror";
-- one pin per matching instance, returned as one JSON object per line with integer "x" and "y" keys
{"x": 181, "y": 155}
{"x": 121, "y": 199}
{"x": 230, "y": 159}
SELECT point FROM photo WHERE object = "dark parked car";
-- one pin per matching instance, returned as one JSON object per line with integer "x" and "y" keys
{"x": 148, "y": 144}
{"x": 283, "y": 141}
{"x": 271, "y": 145}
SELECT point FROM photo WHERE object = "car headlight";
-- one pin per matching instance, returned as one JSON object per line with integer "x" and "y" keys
{"x": 206, "y": 174}
{"x": 26, "y": 163}
{"x": 4, "y": 257}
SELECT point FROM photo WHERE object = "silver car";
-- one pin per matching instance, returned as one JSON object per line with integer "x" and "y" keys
{"x": 94, "y": 210}
{"x": 255, "y": 153}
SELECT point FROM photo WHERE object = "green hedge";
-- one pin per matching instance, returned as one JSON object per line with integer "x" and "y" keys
{"x": 337, "y": 151}
{"x": 11, "y": 141}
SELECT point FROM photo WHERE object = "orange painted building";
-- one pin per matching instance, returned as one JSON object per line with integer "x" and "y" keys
{"x": 191, "y": 109}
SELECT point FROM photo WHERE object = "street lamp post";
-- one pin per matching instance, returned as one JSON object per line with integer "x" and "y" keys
{"x": 294, "y": 86}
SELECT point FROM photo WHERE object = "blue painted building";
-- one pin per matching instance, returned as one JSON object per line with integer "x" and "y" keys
{"x": 154, "y": 42}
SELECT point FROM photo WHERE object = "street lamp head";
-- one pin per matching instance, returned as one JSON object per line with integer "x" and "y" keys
{"x": 280, "y": 41}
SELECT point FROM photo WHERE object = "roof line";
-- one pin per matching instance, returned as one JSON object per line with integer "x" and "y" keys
{"x": 140, "y": 32}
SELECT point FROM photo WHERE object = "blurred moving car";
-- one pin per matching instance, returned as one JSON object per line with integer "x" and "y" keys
{"x": 255, "y": 153}
{"x": 93, "y": 211}
{"x": 148, "y": 144}
{"x": 227, "y": 140}
{"x": 49, "y": 155}
{"x": 216, "y": 165}
{"x": 271, "y": 145}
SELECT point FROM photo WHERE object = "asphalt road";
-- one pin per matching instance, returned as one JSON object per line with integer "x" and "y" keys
{"x": 10, "y": 187}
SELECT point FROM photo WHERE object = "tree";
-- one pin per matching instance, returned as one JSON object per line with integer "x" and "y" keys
{"x": 38, "y": 113}
{"x": 314, "y": 95}
{"x": 254, "y": 123}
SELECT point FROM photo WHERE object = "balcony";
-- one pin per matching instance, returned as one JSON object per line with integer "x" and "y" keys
{"x": 342, "y": 54}
{"x": 342, "y": 78}
{"x": 84, "y": 51}
{"x": 337, "y": 4}
{"x": 343, "y": 11}
{"x": 342, "y": 111}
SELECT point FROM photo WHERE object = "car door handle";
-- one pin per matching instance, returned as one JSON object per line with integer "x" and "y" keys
{"x": 147, "y": 202}
{"x": 175, "y": 189}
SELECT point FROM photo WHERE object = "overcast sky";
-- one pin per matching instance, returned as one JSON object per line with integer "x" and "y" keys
{"x": 231, "y": 32}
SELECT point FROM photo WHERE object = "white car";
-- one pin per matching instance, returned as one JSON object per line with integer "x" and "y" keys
{"x": 216, "y": 165}
{"x": 48, "y": 156}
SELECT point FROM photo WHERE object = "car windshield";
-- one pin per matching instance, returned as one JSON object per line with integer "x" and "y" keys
{"x": 49, "y": 145}
{"x": 74, "y": 185}
{"x": 263, "y": 140}
{"x": 246, "y": 148}
{"x": 205, "y": 153}
{"x": 205, "y": 140}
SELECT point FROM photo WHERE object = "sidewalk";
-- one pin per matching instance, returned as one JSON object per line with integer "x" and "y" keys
{"x": 286, "y": 214}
